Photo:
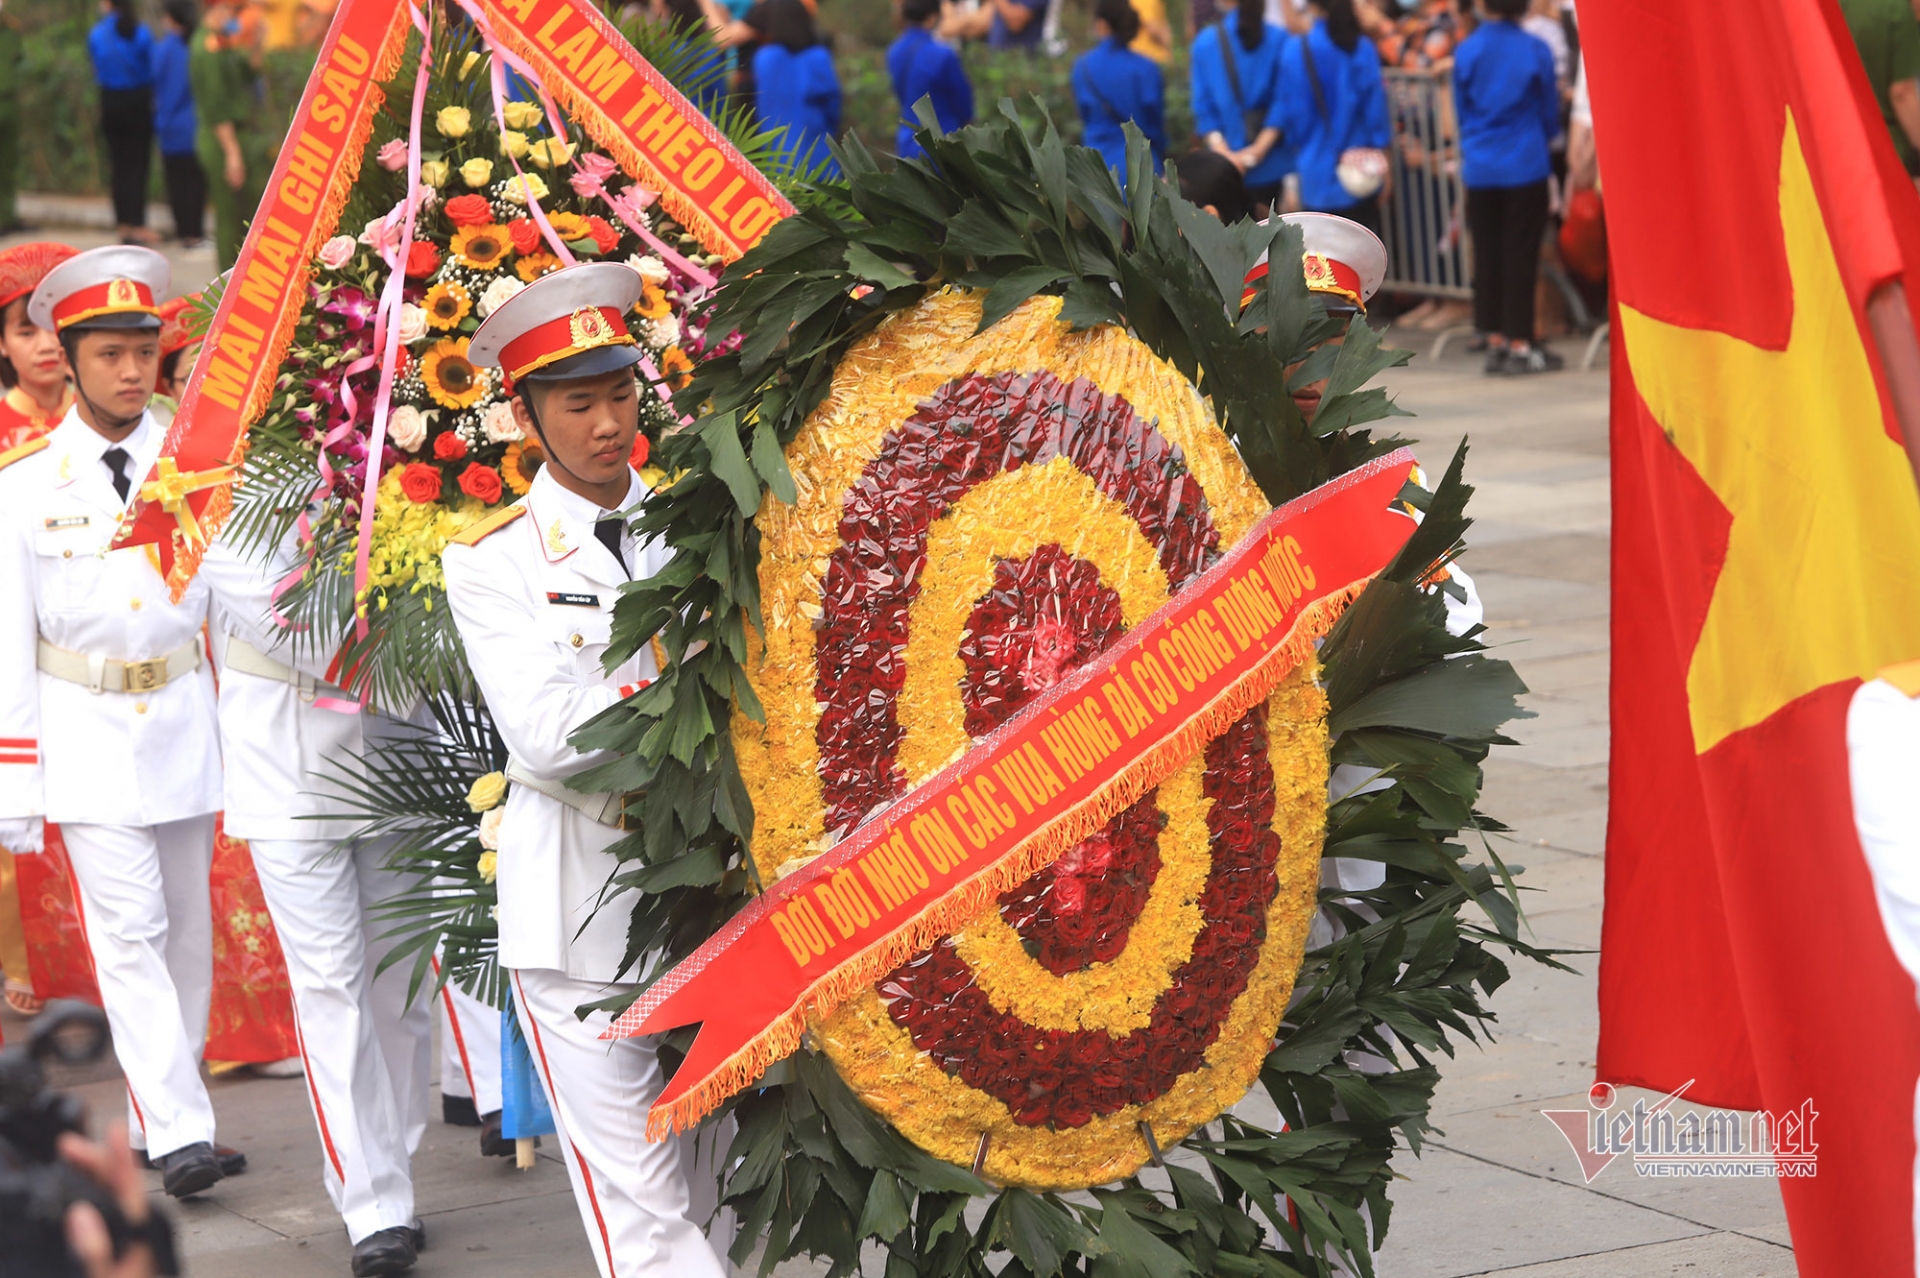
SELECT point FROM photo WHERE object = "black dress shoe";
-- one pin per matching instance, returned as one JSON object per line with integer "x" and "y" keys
{"x": 389, "y": 1251}
{"x": 492, "y": 1143}
{"x": 190, "y": 1169}
{"x": 232, "y": 1161}
{"x": 418, "y": 1232}
{"x": 458, "y": 1111}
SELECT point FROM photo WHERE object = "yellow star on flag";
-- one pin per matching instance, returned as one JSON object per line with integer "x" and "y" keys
{"x": 1821, "y": 581}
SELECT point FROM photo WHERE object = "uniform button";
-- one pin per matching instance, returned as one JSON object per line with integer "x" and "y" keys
{"x": 579, "y": 641}
{"x": 66, "y": 554}
{"x": 139, "y": 707}
{"x": 135, "y": 605}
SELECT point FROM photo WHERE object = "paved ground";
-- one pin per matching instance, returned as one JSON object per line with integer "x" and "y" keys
{"x": 1499, "y": 1193}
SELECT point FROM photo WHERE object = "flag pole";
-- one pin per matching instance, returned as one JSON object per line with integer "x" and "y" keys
{"x": 1891, "y": 320}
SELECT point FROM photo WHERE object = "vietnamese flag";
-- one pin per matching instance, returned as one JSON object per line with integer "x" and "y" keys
{"x": 1766, "y": 559}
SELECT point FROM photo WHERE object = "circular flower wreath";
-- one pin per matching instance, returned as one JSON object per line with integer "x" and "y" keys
{"x": 978, "y": 515}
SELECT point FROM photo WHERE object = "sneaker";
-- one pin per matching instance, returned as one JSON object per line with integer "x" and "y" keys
{"x": 1538, "y": 359}
{"x": 1496, "y": 364}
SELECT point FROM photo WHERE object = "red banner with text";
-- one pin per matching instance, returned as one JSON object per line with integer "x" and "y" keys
{"x": 1045, "y": 780}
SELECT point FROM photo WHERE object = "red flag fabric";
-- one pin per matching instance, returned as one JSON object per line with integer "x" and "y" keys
{"x": 1766, "y": 559}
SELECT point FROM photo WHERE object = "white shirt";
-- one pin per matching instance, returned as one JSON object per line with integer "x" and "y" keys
{"x": 534, "y": 605}
{"x": 69, "y": 754}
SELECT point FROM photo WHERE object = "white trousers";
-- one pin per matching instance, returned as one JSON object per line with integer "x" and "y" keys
{"x": 469, "y": 1049}
{"x": 367, "y": 1052}
{"x": 147, "y": 907}
{"x": 632, "y": 1193}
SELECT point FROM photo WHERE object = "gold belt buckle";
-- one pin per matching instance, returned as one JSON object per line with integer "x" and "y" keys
{"x": 145, "y": 676}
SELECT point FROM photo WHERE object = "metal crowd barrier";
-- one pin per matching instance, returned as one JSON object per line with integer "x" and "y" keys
{"x": 1429, "y": 253}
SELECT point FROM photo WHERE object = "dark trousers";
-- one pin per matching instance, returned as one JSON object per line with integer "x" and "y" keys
{"x": 187, "y": 193}
{"x": 126, "y": 120}
{"x": 1506, "y": 223}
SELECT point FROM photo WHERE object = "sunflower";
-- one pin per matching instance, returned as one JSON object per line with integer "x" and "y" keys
{"x": 653, "y": 301}
{"x": 480, "y": 248}
{"x": 534, "y": 265}
{"x": 450, "y": 376}
{"x": 569, "y": 226}
{"x": 447, "y": 304}
{"x": 676, "y": 367}
{"x": 522, "y": 462}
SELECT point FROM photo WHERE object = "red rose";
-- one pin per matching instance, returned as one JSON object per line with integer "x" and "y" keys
{"x": 1166, "y": 1062}
{"x": 638, "y": 457}
{"x": 524, "y": 234}
{"x": 449, "y": 447}
{"x": 469, "y": 210}
{"x": 605, "y": 238}
{"x": 420, "y": 482}
{"x": 423, "y": 259}
{"x": 1070, "y": 1109}
{"x": 480, "y": 481}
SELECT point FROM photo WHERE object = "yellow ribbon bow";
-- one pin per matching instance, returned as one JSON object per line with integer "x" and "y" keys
{"x": 172, "y": 488}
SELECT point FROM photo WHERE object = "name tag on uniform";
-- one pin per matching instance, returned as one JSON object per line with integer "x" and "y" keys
{"x": 577, "y": 601}
{"x": 67, "y": 521}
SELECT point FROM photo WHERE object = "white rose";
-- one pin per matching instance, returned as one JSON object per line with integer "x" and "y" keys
{"x": 664, "y": 331}
{"x": 407, "y": 428}
{"x": 497, "y": 421}
{"x": 490, "y": 827}
{"x": 413, "y": 323}
{"x": 497, "y": 293}
{"x": 651, "y": 268}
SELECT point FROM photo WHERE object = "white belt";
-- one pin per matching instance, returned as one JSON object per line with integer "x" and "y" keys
{"x": 247, "y": 659}
{"x": 603, "y": 806}
{"x": 103, "y": 674}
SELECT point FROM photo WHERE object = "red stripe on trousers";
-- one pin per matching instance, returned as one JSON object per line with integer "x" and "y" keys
{"x": 586, "y": 1173}
{"x": 459, "y": 1040}
{"x": 319, "y": 1110}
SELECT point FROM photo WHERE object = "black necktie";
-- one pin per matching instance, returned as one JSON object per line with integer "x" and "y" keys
{"x": 117, "y": 461}
{"x": 609, "y": 531}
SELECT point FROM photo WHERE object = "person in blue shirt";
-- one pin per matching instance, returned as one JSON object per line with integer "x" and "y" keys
{"x": 922, "y": 67}
{"x": 1003, "y": 24}
{"x": 174, "y": 121}
{"x": 1508, "y": 106}
{"x": 1332, "y": 100}
{"x": 1234, "y": 67}
{"x": 122, "y": 54}
{"x": 1112, "y": 85}
{"x": 795, "y": 87}
{"x": 706, "y": 85}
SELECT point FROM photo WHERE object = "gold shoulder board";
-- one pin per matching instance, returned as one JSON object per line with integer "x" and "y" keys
{"x": 474, "y": 534}
{"x": 1904, "y": 676}
{"x": 27, "y": 449}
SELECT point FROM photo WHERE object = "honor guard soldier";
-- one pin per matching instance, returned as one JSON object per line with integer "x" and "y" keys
{"x": 532, "y": 591}
{"x": 107, "y": 721}
{"x": 367, "y": 1051}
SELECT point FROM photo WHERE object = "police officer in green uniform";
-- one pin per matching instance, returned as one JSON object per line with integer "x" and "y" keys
{"x": 10, "y": 59}
{"x": 226, "y": 97}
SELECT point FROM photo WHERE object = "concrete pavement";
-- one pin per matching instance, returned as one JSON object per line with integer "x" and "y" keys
{"x": 1498, "y": 1193}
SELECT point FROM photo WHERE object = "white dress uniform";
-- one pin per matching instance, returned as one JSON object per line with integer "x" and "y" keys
{"x": 107, "y": 713}
{"x": 534, "y": 604}
{"x": 1883, "y": 755}
{"x": 367, "y": 1052}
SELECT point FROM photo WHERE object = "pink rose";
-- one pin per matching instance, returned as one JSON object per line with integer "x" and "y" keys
{"x": 632, "y": 202}
{"x": 590, "y": 174}
{"x": 393, "y": 155}
{"x": 337, "y": 252}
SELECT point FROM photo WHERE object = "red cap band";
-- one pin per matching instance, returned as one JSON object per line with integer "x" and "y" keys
{"x": 1324, "y": 275}
{"x": 586, "y": 329}
{"x": 115, "y": 297}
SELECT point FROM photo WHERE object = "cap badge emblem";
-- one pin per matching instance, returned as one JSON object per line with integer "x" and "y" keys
{"x": 588, "y": 328}
{"x": 1319, "y": 272}
{"x": 122, "y": 293}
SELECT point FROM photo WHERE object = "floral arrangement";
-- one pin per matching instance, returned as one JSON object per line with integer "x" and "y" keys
{"x": 452, "y": 450}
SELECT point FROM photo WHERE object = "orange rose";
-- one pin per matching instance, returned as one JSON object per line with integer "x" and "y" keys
{"x": 480, "y": 481}
{"x": 469, "y": 210}
{"x": 638, "y": 457}
{"x": 421, "y": 483}
{"x": 449, "y": 447}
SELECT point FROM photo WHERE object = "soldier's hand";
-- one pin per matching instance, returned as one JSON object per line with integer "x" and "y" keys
{"x": 24, "y": 834}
